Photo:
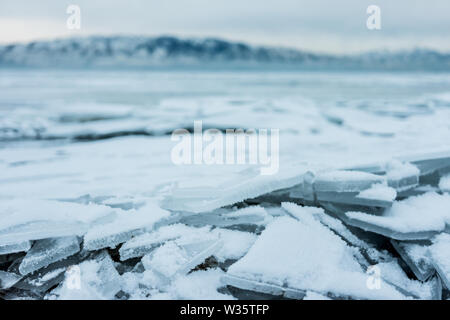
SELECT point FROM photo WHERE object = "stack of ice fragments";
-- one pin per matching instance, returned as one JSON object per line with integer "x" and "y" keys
{"x": 375, "y": 232}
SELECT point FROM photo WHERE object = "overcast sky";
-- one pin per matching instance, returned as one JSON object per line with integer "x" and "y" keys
{"x": 318, "y": 25}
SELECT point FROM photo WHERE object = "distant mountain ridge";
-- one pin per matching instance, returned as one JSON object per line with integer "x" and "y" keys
{"x": 167, "y": 51}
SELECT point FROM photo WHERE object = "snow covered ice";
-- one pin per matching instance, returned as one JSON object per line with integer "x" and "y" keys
{"x": 92, "y": 207}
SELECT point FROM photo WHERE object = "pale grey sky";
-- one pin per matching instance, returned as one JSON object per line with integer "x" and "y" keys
{"x": 318, "y": 25}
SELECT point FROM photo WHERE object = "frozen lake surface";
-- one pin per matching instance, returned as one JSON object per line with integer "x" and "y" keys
{"x": 88, "y": 154}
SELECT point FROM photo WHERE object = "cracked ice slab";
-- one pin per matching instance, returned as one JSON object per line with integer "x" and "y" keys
{"x": 180, "y": 256}
{"x": 124, "y": 227}
{"x": 147, "y": 242}
{"x": 392, "y": 273}
{"x": 93, "y": 279}
{"x": 253, "y": 215}
{"x": 8, "y": 279}
{"x": 319, "y": 261}
{"x": 249, "y": 185}
{"x": 22, "y": 220}
{"x": 354, "y": 187}
{"x": 23, "y": 246}
{"x": 416, "y": 256}
{"x": 45, "y": 252}
{"x": 440, "y": 255}
{"x": 418, "y": 217}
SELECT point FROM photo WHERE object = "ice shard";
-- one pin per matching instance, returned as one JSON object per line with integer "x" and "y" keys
{"x": 125, "y": 225}
{"x": 416, "y": 256}
{"x": 8, "y": 279}
{"x": 440, "y": 255}
{"x": 23, "y": 246}
{"x": 180, "y": 256}
{"x": 247, "y": 186}
{"x": 23, "y": 220}
{"x": 147, "y": 242}
{"x": 95, "y": 278}
{"x": 252, "y": 215}
{"x": 47, "y": 251}
{"x": 415, "y": 218}
{"x": 319, "y": 261}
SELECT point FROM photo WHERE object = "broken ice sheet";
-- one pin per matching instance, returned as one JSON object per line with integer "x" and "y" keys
{"x": 125, "y": 225}
{"x": 440, "y": 255}
{"x": 418, "y": 217}
{"x": 8, "y": 279}
{"x": 198, "y": 285}
{"x": 93, "y": 279}
{"x": 235, "y": 244}
{"x": 319, "y": 261}
{"x": 393, "y": 274}
{"x": 147, "y": 242}
{"x": 402, "y": 175}
{"x": 42, "y": 281}
{"x": 416, "y": 256}
{"x": 23, "y": 246}
{"x": 252, "y": 215}
{"x": 31, "y": 219}
{"x": 250, "y": 184}
{"x": 45, "y": 252}
{"x": 354, "y": 187}
{"x": 180, "y": 256}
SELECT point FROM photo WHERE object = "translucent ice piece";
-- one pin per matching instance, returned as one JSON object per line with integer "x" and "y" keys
{"x": 92, "y": 279}
{"x": 440, "y": 255}
{"x": 402, "y": 176}
{"x": 417, "y": 217}
{"x": 45, "y": 252}
{"x": 346, "y": 181}
{"x": 235, "y": 243}
{"x": 15, "y": 247}
{"x": 145, "y": 243}
{"x": 253, "y": 215}
{"x": 248, "y": 186}
{"x": 42, "y": 281}
{"x": 180, "y": 256}
{"x": 392, "y": 273}
{"x": 8, "y": 279}
{"x": 430, "y": 162}
{"x": 415, "y": 254}
{"x": 23, "y": 220}
{"x": 305, "y": 255}
{"x": 124, "y": 227}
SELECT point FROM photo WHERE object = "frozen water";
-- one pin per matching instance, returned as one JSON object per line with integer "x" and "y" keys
{"x": 346, "y": 181}
{"x": 47, "y": 251}
{"x": 145, "y": 243}
{"x": 125, "y": 225}
{"x": 379, "y": 192}
{"x": 402, "y": 176}
{"x": 235, "y": 244}
{"x": 92, "y": 279}
{"x": 440, "y": 255}
{"x": 253, "y": 215}
{"x": 414, "y": 218}
{"x": 8, "y": 279}
{"x": 319, "y": 261}
{"x": 15, "y": 247}
{"x": 393, "y": 274}
{"x": 180, "y": 256}
{"x": 26, "y": 219}
{"x": 416, "y": 256}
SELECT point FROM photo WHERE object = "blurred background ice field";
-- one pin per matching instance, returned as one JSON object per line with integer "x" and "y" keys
{"x": 69, "y": 133}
